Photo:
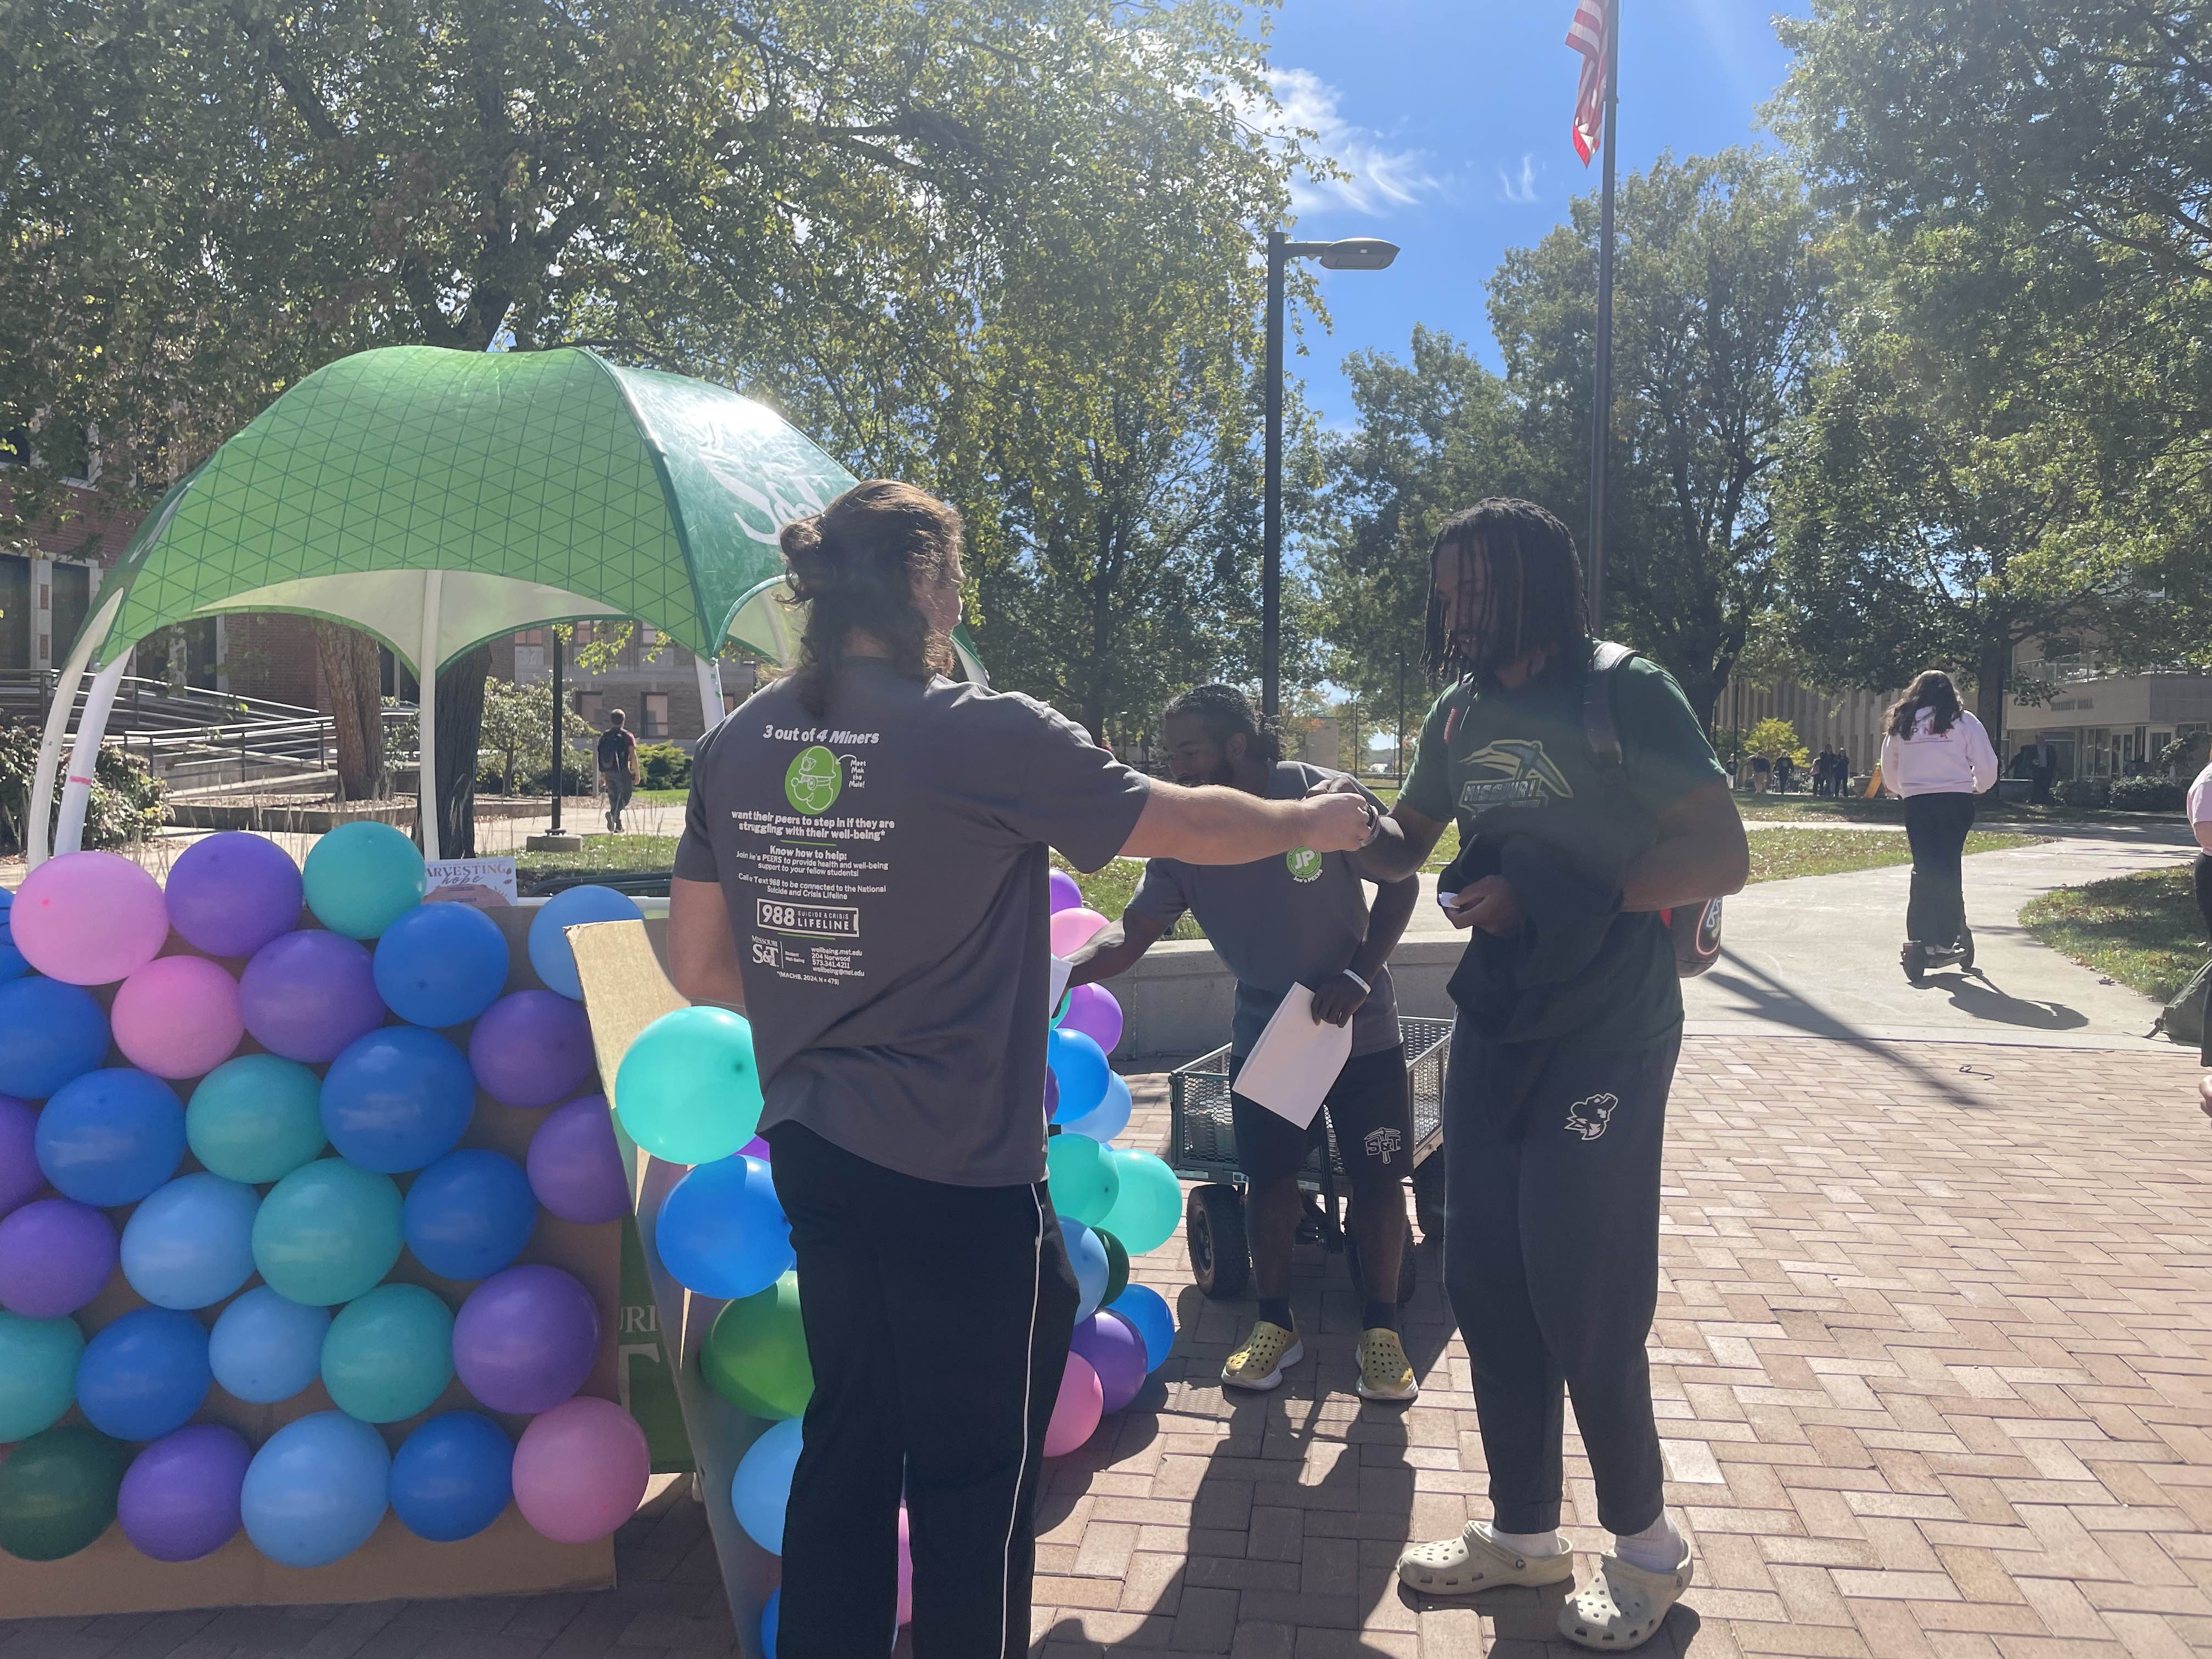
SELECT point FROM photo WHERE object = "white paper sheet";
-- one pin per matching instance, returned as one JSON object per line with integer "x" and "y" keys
{"x": 1060, "y": 971}
{"x": 1297, "y": 1059}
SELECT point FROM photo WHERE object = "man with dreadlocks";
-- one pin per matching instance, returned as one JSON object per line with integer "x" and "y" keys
{"x": 1299, "y": 920}
{"x": 1570, "y": 1020}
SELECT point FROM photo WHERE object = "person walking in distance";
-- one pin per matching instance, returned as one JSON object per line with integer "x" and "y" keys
{"x": 1277, "y": 923}
{"x": 878, "y": 837}
{"x": 2200, "y": 825}
{"x": 1935, "y": 754}
{"x": 617, "y": 768}
{"x": 1570, "y": 1020}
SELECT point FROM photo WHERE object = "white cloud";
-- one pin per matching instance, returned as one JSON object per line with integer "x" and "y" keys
{"x": 1377, "y": 178}
{"x": 1520, "y": 188}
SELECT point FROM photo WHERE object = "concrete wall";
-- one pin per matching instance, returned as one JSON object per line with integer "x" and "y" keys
{"x": 1178, "y": 1001}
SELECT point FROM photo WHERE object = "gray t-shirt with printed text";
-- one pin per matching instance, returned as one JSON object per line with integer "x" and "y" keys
{"x": 887, "y": 874}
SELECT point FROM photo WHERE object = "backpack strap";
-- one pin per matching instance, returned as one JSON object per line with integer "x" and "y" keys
{"x": 1600, "y": 730}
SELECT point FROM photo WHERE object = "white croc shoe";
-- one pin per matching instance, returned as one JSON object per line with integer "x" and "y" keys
{"x": 1623, "y": 1605}
{"x": 1475, "y": 1561}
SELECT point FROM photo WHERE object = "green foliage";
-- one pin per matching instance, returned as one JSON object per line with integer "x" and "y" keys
{"x": 127, "y": 804}
{"x": 2148, "y": 795}
{"x": 516, "y": 740}
{"x": 1772, "y": 738}
{"x": 662, "y": 766}
{"x": 2142, "y": 930}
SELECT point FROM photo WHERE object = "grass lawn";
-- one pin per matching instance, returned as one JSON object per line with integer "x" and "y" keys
{"x": 2142, "y": 931}
{"x": 602, "y": 855}
{"x": 1804, "y": 809}
{"x": 662, "y": 797}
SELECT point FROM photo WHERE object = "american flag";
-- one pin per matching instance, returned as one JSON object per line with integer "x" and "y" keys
{"x": 1586, "y": 35}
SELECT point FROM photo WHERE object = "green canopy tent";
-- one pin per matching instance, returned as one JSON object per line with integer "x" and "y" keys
{"x": 441, "y": 499}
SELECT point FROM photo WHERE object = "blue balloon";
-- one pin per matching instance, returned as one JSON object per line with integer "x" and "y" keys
{"x": 470, "y": 1213}
{"x": 145, "y": 1374}
{"x": 1146, "y": 1309}
{"x": 721, "y": 1230}
{"x": 191, "y": 1244}
{"x": 398, "y": 1098}
{"x": 760, "y": 1488}
{"x": 1087, "y": 1254}
{"x": 112, "y": 1136}
{"x": 441, "y": 964}
{"x": 50, "y": 1033}
{"x": 771, "y": 1617}
{"x": 265, "y": 1349}
{"x": 316, "y": 1490}
{"x": 12, "y": 964}
{"x": 550, "y": 953}
{"x": 1109, "y": 1118}
{"x": 451, "y": 1478}
{"x": 1080, "y": 1064}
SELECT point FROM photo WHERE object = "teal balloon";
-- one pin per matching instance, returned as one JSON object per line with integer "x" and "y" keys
{"x": 1081, "y": 1176}
{"x": 327, "y": 1233}
{"x": 38, "y": 1373}
{"x": 362, "y": 877}
{"x": 688, "y": 1091}
{"x": 1147, "y": 1200}
{"x": 191, "y": 1244}
{"x": 389, "y": 1355}
{"x": 256, "y": 1119}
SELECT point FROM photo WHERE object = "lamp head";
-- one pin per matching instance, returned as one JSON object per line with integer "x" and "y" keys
{"x": 1358, "y": 253}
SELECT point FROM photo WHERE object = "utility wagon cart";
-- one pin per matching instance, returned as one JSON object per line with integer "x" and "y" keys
{"x": 1203, "y": 1148}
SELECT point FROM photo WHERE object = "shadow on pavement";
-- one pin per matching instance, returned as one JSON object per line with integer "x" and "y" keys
{"x": 1973, "y": 992}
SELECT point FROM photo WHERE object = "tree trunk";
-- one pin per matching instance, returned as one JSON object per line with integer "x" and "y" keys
{"x": 1704, "y": 695}
{"x": 461, "y": 730}
{"x": 351, "y": 681}
{"x": 1991, "y": 676}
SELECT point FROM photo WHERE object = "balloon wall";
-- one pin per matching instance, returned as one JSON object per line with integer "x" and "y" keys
{"x": 307, "y": 1252}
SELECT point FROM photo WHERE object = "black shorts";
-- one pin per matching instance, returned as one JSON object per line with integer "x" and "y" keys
{"x": 1370, "y": 1106}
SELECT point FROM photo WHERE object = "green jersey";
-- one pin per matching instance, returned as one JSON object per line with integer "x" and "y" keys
{"x": 1502, "y": 764}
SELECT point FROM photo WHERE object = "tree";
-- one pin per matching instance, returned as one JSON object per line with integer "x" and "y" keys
{"x": 1719, "y": 314}
{"x": 353, "y": 681}
{"x": 1771, "y": 738}
{"x": 517, "y": 729}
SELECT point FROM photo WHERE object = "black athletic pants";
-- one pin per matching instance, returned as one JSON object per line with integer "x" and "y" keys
{"x": 1552, "y": 1263}
{"x": 1936, "y": 826}
{"x": 2204, "y": 908}
{"x": 938, "y": 1320}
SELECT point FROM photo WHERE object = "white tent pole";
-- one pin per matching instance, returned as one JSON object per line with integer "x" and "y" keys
{"x": 425, "y": 714}
{"x": 39, "y": 809}
{"x": 76, "y": 791}
{"x": 710, "y": 691}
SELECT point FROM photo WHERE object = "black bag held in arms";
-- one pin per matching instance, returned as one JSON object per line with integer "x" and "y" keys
{"x": 1696, "y": 932}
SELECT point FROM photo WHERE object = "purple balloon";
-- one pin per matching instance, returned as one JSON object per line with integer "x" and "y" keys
{"x": 179, "y": 1497}
{"x": 1116, "y": 1352}
{"x": 1092, "y": 1010}
{"x": 307, "y": 994}
{"x": 757, "y": 1147}
{"x": 575, "y": 1165}
{"x": 231, "y": 893}
{"x": 532, "y": 1048}
{"x": 20, "y": 1175}
{"x": 526, "y": 1339}
{"x": 1066, "y": 895}
{"x": 56, "y": 1254}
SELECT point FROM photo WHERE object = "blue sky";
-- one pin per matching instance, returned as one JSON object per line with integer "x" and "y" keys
{"x": 1452, "y": 117}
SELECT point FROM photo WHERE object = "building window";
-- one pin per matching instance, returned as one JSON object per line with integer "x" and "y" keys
{"x": 588, "y": 704}
{"x": 72, "y": 600}
{"x": 656, "y": 714}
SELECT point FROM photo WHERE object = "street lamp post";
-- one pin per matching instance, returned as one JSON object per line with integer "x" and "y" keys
{"x": 1354, "y": 253}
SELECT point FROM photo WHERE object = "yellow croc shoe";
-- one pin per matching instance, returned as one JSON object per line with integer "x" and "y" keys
{"x": 1384, "y": 1372}
{"x": 1266, "y": 1353}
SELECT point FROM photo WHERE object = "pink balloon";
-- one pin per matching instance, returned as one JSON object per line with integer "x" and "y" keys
{"x": 580, "y": 1470}
{"x": 89, "y": 918}
{"x": 905, "y": 1572}
{"x": 1071, "y": 930}
{"x": 1092, "y": 1010}
{"x": 1075, "y": 1414}
{"x": 178, "y": 1016}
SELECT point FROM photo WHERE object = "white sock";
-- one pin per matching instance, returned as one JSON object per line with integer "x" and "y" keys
{"x": 1657, "y": 1548}
{"x": 1521, "y": 1543}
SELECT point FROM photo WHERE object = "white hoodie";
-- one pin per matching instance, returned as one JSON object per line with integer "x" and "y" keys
{"x": 1958, "y": 761}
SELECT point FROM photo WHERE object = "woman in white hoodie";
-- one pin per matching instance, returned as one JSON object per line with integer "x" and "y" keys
{"x": 1937, "y": 756}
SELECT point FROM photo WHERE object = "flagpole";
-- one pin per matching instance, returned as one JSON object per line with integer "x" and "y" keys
{"x": 1602, "y": 386}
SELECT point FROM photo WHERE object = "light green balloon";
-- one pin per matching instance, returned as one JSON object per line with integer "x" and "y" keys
{"x": 38, "y": 1373}
{"x": 1081, "y": 1177}
{"x": 327, "y": 1232}
{"x": 688, "y": 1090}
{"x": 256, "y": 1119}
{"x": 362, "y": 877}
{"x": 1147, "y": 1202}
{"x": 390, "y": 1354}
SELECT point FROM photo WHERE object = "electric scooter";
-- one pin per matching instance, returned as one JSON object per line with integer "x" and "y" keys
{"x": 1920, "y": 959}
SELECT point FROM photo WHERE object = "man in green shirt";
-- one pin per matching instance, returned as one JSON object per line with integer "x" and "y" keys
{"x": 1570, "y": 1020}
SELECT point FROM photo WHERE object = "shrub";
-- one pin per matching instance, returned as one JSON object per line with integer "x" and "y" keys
{"x": 2148, "y": 795}
{"x": 2083, "y": 792}
{"x": 128, "y": 804}
{"x": 662, "y": 766}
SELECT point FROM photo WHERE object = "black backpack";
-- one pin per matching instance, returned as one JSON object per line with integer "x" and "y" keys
{"x": 1696, "y": 933}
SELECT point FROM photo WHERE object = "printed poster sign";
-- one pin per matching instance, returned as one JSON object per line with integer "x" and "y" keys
{"x": 487, "y": 883}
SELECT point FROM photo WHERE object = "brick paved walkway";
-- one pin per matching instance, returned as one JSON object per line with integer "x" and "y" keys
{"x": 1932, "y": 1360}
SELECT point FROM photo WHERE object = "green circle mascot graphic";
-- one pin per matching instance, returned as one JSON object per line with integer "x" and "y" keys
{"x": 813, "y": 782}
{"x": 1304, "y": 862}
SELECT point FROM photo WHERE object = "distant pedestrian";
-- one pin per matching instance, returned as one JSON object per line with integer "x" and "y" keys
{"x": 1761, "y": 771}
{"x": 1843, "y": 772}
{"x": 1823, "y": 772}
{"x": 1785, "y": 768}
{"x": 2200, "y": 823}
{"x": 617, "y": 768}
{"x": 1936, "y": 755}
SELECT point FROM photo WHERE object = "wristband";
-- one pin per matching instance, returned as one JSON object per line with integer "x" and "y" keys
{"x": 1360, "y": 982}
